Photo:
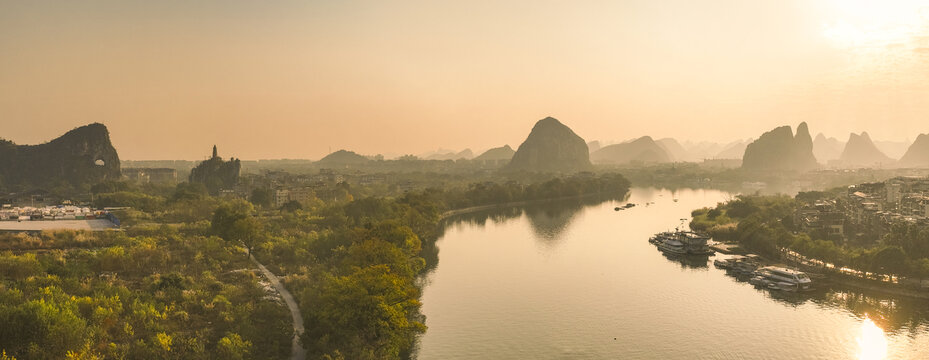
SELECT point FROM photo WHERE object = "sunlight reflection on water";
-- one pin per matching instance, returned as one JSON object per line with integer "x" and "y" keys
{"x": 872, "y": 343}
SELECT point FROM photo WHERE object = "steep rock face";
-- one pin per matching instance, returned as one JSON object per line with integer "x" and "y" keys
{"x": 504, "y": 152}
{"x": 860, "y": 151}
{"x": 917, "y": 156}
{"x": 641, "y": 150}
{"x": 593, "y": 146}
{"x": 81, "y": 156}
{"x": 780, "y": 150}
{"x": 216, "y": 174}
{"x": 827, "y": 149}
{"x": 551, "y": 147}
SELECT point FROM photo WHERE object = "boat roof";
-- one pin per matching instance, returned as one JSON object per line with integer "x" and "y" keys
{"x": 693, "y": 235}
{"x": 784, "y": 270}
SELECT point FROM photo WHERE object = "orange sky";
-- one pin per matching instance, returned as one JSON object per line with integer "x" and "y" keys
{"x": 290, "y": 79}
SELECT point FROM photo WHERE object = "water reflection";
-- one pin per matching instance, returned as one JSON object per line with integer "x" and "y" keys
{"x": 892, "y": 314}
{"x": 700, "y": 262}
{"x": 548, "y": 220}
{"x": 598, "y": 279}
{"x": 872, "y": 343}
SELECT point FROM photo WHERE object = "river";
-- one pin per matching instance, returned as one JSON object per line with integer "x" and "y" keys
{"x": 578, "y": 280}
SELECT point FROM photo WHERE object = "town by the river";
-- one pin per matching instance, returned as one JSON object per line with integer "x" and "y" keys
{"x": 578, "y": 280}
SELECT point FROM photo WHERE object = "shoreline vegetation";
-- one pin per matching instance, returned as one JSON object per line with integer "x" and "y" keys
{"x": 472, "y": 209}
{"x": 178, "y": 282}
{"x": 764, "y": 225}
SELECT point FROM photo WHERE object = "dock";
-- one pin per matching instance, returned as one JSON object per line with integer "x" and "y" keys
{"x": 727, "y": 248}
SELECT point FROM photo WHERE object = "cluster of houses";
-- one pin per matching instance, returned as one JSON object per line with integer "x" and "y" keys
{"x": 868, "y": 210}
{"x": 59, "y": 212}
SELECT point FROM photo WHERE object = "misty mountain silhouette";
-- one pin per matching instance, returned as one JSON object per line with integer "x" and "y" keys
{"x": 643, "y": 149}
{"x": 504, "y": 152}
{"x": 781, "y": 150}
{"x": 918, "y": 153}
{"x": 343, "y": 157}
{"x": 860, "y": 151}
{"x": 551, "y": 147}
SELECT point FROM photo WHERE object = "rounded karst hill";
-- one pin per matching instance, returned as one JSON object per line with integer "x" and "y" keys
{"x": 551, "y": 147}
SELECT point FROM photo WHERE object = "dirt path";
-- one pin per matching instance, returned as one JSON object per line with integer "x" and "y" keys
{"x": 297, "y": 351}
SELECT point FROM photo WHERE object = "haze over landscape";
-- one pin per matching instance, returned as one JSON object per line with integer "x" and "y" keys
{"x": 419, "y": 180}
{"x": 294, "y": 79}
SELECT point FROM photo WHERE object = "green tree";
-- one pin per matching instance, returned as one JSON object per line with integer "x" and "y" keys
{"x": 262, "y": 197}
{"x": 233, "y": 221}
{"x": 889, "y": 260}
{"x": 233, "y": 347}
{"x": 292, "y": 206}
{"x": 369, "y": 314}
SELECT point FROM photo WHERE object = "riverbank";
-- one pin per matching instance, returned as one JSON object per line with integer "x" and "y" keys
{"x": 839, "y": 279}
{"x": 859, "y": 283}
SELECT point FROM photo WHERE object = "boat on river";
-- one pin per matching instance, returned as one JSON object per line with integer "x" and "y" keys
{"x": 682, "y": 242}
{"x": 786, "y": 279}
{"x": 672, "y": 246}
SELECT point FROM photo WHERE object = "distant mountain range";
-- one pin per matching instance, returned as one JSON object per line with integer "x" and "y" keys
{"x": 860, "y": 152}
{"x": 451, "y": 155}
{"x": 504, "y": 152}
{"x": 827, "y": 149}
{"x": 893, "y": 149}
{"x": 641, "y": 150}
{"x": 673, "y": 149}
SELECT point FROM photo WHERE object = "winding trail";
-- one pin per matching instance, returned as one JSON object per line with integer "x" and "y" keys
{"x": 297, "y": 351}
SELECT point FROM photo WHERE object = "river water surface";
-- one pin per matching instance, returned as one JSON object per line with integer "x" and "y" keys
{"x": 578, "y": 280}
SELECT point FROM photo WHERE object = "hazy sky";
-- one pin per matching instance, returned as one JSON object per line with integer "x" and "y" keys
{"x": 290, "y": 79}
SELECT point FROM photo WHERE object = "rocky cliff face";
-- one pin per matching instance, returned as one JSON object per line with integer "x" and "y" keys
{"x": 917, "y": 156}
{"x": 781, "y": 150}
{"x": 83, "y": 156}
{"x": 551, "y": 147}
{"x": 860, "y": 151}
{"x": 641, "y": 150}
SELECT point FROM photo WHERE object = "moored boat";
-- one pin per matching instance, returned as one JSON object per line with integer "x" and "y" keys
{"x": 787, "y": 279}
{"x": 690, "y": 242}
{"x": 671, "y": 246}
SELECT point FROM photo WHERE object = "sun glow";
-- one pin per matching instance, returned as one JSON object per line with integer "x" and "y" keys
{"x": 858, "y": 23}
{"x": 872, "y": 343}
